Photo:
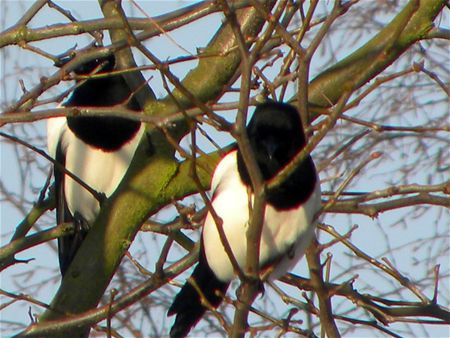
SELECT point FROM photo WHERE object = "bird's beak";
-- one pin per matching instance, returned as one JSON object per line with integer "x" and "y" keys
{"x": 271, "y": 148}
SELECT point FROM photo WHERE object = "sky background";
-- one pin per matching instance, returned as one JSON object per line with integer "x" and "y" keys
{"x": 376, "y": 237}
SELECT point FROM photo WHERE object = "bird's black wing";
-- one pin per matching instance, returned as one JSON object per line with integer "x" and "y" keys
{"x": 187, "y": 304}
{"x": 68, "y": 244}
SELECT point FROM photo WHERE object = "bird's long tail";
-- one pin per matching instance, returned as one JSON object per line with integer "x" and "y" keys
{"x": 187, "y": 304}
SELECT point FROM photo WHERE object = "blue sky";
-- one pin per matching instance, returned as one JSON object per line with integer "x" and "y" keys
{"x": 376, "y": 237}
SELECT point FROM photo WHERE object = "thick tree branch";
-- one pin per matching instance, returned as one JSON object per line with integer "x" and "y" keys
{"x": 319, "y": 286}
{"x": 73, "y": 322}
{"x": 374, "y": 209}
{"x": 153, "y": 183}
{"x": 8, "y": 252}
{"x": 386, "y": 310}
{"x": 411, "y": 25}
{"x": 20, "y": 33}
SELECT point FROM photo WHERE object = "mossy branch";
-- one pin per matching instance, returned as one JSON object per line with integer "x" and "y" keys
{"x": 153, "y": 182}
{"x": 412, "y": 24}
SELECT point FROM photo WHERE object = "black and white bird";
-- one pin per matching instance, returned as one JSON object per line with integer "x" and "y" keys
{"x": 96, "y": 149}
{"x": 276, "y": 136}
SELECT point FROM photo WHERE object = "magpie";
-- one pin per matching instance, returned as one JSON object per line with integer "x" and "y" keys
{"x": 96, "y": 149}
{"x": 276, "y": 136}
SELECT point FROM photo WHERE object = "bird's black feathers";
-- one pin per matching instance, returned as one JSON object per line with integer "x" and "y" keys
{"x": 187, "y": 304}
{"x": 103, "y": 132}
{"x": 107, "y": 134}
{"x": 67, "y": 245}
{"x": 276, "y": 136}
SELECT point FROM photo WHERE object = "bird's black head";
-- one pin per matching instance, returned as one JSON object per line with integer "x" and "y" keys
{"x": 107, "y": 133}
{"x": 276, "y": 136}
{"x": 102, "y": 64}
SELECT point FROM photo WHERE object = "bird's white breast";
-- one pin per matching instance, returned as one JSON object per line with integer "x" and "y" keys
{"x": 56, "y": 126}
{"x": 102, "y": 171}
{"x": 282, "y": 230}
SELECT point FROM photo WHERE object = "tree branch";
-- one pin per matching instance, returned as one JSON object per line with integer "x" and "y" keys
{"x": 409, "y": 26}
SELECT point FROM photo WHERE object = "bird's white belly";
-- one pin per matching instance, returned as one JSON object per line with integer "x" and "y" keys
{"x": 102, "y": 171}
{"x": 293, "y": 229}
